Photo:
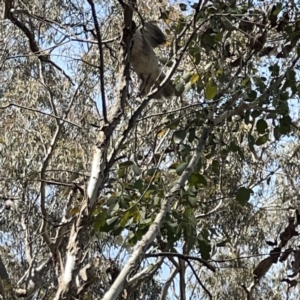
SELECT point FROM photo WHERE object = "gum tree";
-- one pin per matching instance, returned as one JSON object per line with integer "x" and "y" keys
{"x": 109, "y": 195}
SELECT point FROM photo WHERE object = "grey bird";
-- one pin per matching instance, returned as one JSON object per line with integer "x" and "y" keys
{"x": 145, "y": 62}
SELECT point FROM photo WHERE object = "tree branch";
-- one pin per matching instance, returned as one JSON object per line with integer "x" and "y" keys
{"x": 184, "y": 257}
{"x": 153, "y": 230}
{"x": 101, "y": 68}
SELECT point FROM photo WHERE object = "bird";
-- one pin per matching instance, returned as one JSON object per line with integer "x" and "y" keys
{"x": 144, "y": 60}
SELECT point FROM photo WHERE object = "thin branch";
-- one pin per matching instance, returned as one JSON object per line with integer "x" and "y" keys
{"x": 184, "y": 257}
{"x": 40, "y": 112}
{"x": 33, "y": 45}
{"x": 182, "y": 283}
{"x": 164, "y": 291}
{"x": 75, "y": 39}
{"x": 28, "y": 248}
{"x": 146, "y": 273}
{"x": 198, "y": 279}
{"x": 101, "y": 68}
{"x": 177, "y": 110}
{"x": 44, "y": 166}
{"x": 187, "y": 258}
{"x": 210, "y": 212}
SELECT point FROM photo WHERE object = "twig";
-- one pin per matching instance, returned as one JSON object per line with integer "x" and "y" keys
{"x": 198, "y": 279}
{"x": 101, "y": 68}
{"x": 40, "y": 112}
{"x": 184, "y": 257}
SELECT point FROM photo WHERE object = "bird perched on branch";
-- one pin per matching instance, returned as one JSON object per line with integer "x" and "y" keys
{"x": 144, "y": 60}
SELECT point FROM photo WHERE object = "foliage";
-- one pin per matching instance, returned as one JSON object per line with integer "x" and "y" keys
{"x": 100, "y": 186}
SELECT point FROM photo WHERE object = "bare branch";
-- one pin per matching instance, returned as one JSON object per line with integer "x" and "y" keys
{"x": 40, "y": 112}
{"x": 164, "y": 291}
{"x": 101, "y": 68}
{"x": 184, "y": 257}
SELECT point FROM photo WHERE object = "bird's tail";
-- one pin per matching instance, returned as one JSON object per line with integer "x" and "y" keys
{"x": 167, "y": 91}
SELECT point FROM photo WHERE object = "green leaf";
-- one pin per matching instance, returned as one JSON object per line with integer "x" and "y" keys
{"x": 277, "y": 133}
{"x": 125, "y": 164}
{"x": 121, "y": 172}
{"x": 215, "y": 167}
{"x": 194, "y": 78}
{"x": 190, "y": 239}
{"x": 100, "y": 220}
{"x": 174, "y": 125}
{"x": 176, "y": 215}
{"x": 233, "y": 146}
{"x": 184, "y": 149}
{"x": 186, "y": 76}
{"x": 252, "y": 95}
{"x": 255, "y": 113}
{"x": 274, "y": 69}
{"x": 290, "y": 75}
{"x": 112, "y": 201}
{"x": 151, "y": 171}
{"x": 284, "y": 96}
{"x": 196, "y": 179}
{"x": 114, "y": 208}
{"x": 251, "y": 142}
{"x": 247, "y": 117}
{"x": 227, "y": 25}
{"x": 187, "y": 212}
{"x": 246, "y": 82}
{"x": 174, "y": 166}
{"x": 298, "y": 49}
{"x": 205, "y": 249}
{"x": 136, "y": 170}
{"x": 211, "y": 89}
{"x": 192, "y": 201}
{"x": 243, "y": 195}
{"x": 192, "y": 134}
{"x": 179, "y": 88}
{"x": 285, "y": 125}
{"x": 222, "y": 244}
{"x": 126, "y": 219}
{"x": 188, "y": 86}
{"x": 261, "y": 126}
{"x": 117, "y": 230}
{"x": 183, "y": 6}
{"x": 138, "y": 184}
{"x": 278, "y": 9}
{"x": 180, "y": 168}
{"x": 262, "y": 140}
{"x": 179, "y": 136}
{"x": 241, "y": 138}
{"x": 180, "y": 25}
{"x": 219, "y": 73}
{"x": 282, "y": 108}
{"x": 166, "y": 61}
{"x": 196, "y": 58}
{"x": 219, "y": 36}
{"x": 111, "y": 220}
{"x": 208, "y": 40}
{"x": 241, "y": 153}
{"x": 259, "y": 83}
